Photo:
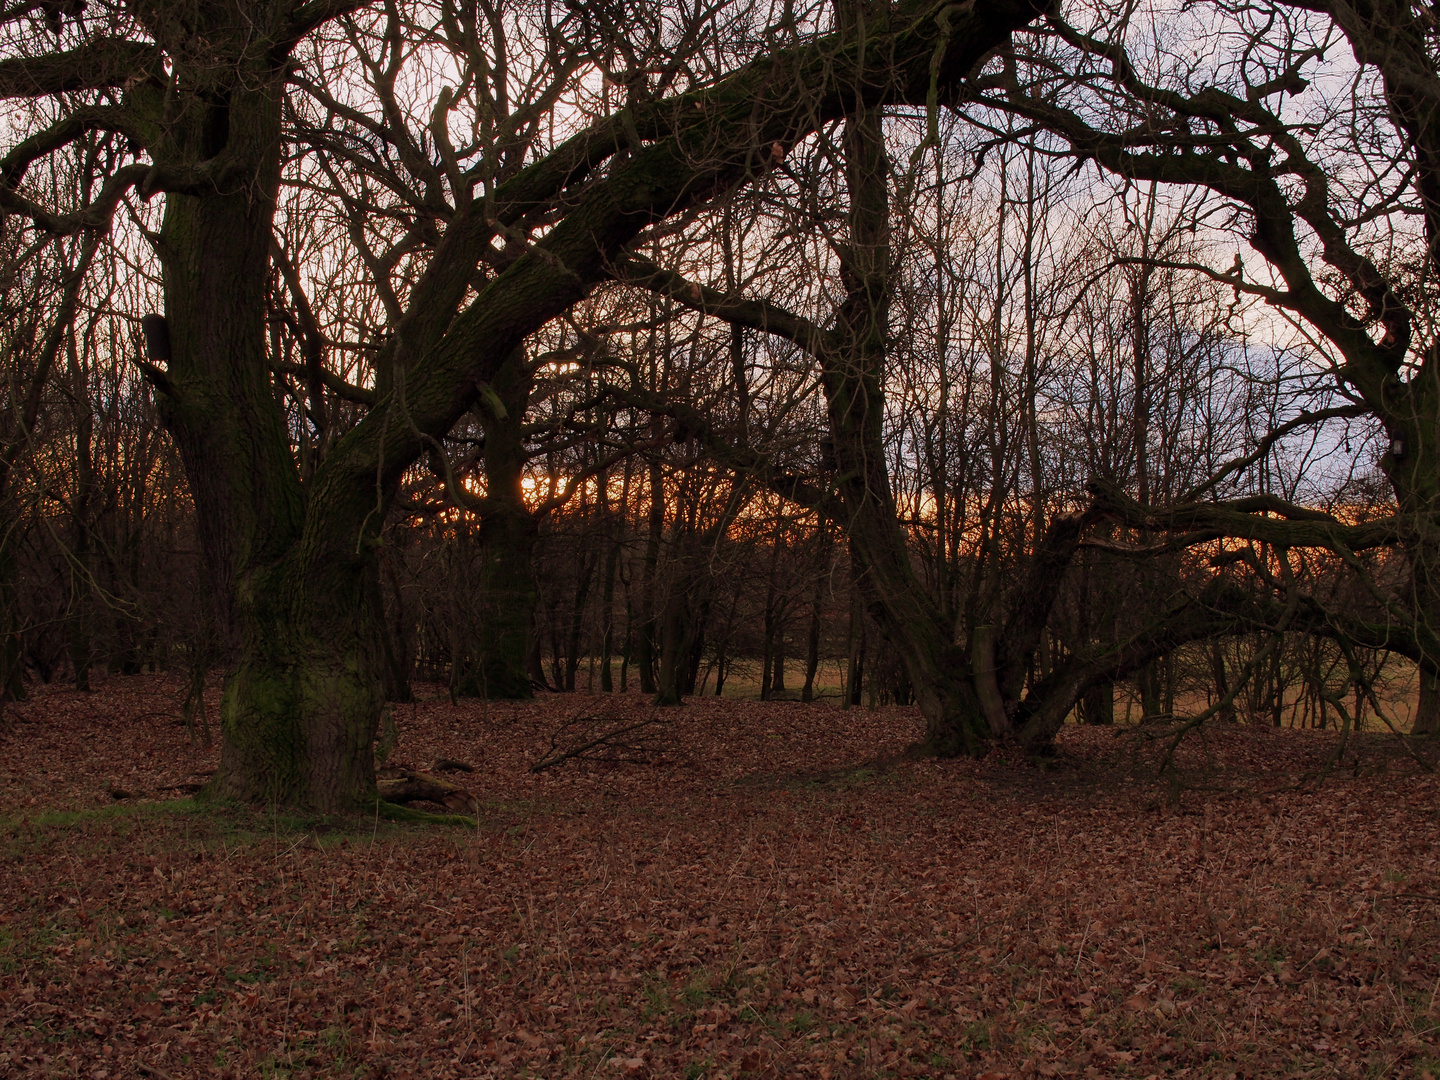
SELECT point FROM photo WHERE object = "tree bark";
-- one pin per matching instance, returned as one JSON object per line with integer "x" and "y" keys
{"x": 301, "y": 707}
{"x": 645, "y": 655}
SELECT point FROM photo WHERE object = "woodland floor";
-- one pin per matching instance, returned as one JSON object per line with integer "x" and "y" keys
{"x": 780, "y": 895}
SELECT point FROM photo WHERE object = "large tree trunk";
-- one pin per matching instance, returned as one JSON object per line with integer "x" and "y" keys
{"x": 300, "y": 712}
{"x": 302, "y": 703}
{"x": 508, "y": 534}
{"x": 507, "y": 582}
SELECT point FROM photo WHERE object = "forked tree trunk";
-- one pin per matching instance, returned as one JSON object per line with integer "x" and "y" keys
{"x": 288, "y": 567}
{"x": 853, "y": 383}
{"x": 812, "y": 648}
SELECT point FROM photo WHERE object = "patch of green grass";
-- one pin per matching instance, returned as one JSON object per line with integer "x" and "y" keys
{"x": 801, "y": 1022}
{"x": 336, "y": 1039}
{"x": 657, "y": 998}
{"x": 697, "y": 991}
{"x": 977, "y": 1036}
{"x": 396, "y": 812}
{"x": 272, "y": 1069}
{"x": 1271, "y": 954}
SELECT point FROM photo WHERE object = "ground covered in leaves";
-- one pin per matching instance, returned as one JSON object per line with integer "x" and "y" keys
{"x": 769, "y": 890}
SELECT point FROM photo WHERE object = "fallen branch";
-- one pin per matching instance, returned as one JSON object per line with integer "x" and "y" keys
{"x": 399, "y": 785}
{"x": 589, "y": 738}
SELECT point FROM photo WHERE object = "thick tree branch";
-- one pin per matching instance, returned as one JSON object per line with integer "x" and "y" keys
{"x": 93, "y": 66}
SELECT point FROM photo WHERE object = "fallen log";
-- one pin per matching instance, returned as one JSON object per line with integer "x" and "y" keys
{"x": 398, "y": 785}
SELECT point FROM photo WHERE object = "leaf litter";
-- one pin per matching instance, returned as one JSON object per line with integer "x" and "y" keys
{"x": 779, "y": 893}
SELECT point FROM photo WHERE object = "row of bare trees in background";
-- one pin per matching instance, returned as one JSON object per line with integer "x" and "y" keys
{"x": 1030, "y": 355}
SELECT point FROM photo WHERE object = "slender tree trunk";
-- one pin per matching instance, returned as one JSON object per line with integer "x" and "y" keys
{"x": 855, "y": 670}
{"x": 697, "y": 646}
{"x": 586, "y": 572}
{"x": 616, "y": 526}
{"x": 645, "y": 638}
{"x": 607, "y": 618}
{"x": 81, "y": 572}
{"x": 535, "y": 661}
{"x": 812, "y": 647}
{"x": 1147, "y": 681}
{"x": 1222, "y": 682}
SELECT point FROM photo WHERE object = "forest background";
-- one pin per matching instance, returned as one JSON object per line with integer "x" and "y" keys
{"x": 1020, "y": 364}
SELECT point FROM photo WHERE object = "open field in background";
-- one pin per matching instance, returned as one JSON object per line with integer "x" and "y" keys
{"x": 780, "y": 894}
{"x": 1396, "y": 685}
